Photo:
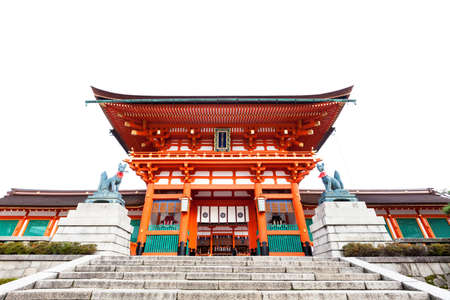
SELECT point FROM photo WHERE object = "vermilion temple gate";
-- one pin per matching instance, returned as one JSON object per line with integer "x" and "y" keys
{"x": 222, "y": 172}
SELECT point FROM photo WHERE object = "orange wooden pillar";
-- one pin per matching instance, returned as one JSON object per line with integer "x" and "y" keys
{"x": 395, "y": 226}
{"x": 145, "y": 219}
{"x": 184, "y": 220}
{"x": 19, "y": 225}
{"x": 427, "y": 227}
{"x": 390, "y": 228}
{"x": 252, "y": 228}
{"x": 193, "y": 229}
{"x": 51, "y": 225}
{"x": 262, "y": 224}
{"x": 300, "y": 218}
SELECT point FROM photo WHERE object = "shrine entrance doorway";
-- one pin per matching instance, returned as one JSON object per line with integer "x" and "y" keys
{"x": 223, "y": 230}
{"x": 220, "y": 240}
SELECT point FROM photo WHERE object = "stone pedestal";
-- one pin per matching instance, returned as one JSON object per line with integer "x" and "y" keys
{"x": 105, "y": 224}
{"x": 336, "y": 224}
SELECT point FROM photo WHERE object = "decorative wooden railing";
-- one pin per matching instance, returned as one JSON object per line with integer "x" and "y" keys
{"x": 164, "y": 227}
{"x": 282, "y": 227}
{"x": 219, "y": 155}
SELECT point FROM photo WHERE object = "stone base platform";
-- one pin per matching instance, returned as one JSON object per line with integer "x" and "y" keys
{"x": 336, "y": 224}
{"x": 105, "y": 224}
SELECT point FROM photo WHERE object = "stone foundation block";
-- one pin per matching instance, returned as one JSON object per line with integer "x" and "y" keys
{"x": 105, "y": 224}
{"x": 336, "y": 224}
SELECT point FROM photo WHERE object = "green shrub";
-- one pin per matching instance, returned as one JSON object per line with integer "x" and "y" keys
{"x": 2, "y": 248}
{"x": 416, "y": 250}
{"x": 6, "y": 280}
{"x": 47, "y": 248}
{"x": 359, "y": 249}
{"x": 447, "y": 209}
{"x": 396, "y": 249}
{"x": 439, "y": 250}
{"x": 38, "y": 248}
{"x": 16, "y": 248}
{"x": 88, "y": 249}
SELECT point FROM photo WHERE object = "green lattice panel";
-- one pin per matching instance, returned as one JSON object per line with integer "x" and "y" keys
{"x": 134, "y": 235}
{"x": 284, "y": 243}
{"x": 164, "y": 227}
{"x": 409, "y": 228}
{"x": 36, "y": 228}
{"x": 161, "y": 244}
{"x": 308, "y": 224}
{"x": 7, "y": 227}
{"x": 440, "y": 227}
{"x": 282, "y": 227}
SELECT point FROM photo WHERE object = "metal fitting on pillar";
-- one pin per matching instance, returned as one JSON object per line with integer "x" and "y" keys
{"x": 264, "y": 249}
{"x": 307, "y": 248}
{"x": 181, "y": 249}
{"x": 139, "y": 248}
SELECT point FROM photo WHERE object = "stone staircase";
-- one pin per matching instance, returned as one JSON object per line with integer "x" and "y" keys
{"x": 165, "y": 277}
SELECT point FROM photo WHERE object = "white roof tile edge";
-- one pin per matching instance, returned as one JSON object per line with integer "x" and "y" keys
{"x": 407, "y": 282}
{"x": 28, "y": 281}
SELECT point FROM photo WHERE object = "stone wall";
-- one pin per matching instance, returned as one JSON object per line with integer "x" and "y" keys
{"x": 433, "y": 269}
{"x": 16, "y": 266}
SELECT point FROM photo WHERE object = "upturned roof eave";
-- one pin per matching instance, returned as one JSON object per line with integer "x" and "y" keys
{"x": 99, "y": 94}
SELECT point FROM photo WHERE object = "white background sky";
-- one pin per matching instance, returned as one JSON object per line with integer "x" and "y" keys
{"x": 396, "y": 53}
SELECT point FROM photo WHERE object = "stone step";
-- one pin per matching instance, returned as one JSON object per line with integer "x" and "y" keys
{"x": 97, "y": 275}
{"x": 302, "y": 263}
{"x": 123, "y": 275}
{"x": 219, "y": 263}
{"x": 347, "y": 276}
{"x": 217, "y": 258}
{"x": 216, "y": 284}
{"x": 225, "y": 269}
{"x": 138, "y": 294}
{"x": 249, "y": 276}
{"x": 325, "y": 269}
{"x": 184, "y": 275}
{"x": 342, "y": 295}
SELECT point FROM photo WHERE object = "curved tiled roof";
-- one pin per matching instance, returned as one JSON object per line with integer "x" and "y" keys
{"x": 181, "y": 112}
{"x": 339, "y": 94}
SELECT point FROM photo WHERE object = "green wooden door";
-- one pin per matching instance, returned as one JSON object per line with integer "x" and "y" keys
{"x": 440, "y": 227}
{"x": 36, "y": 228}
{"x": 161, "y": 244}
{"x": 134, "y": 235}
{"x": 7, "y": 227}
{"x": 409, "y": 228}
{"x": 308, "y": 224}
{"x": 284, "y": 243}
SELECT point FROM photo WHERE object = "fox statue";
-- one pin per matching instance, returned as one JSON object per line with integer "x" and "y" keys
{"x": 331, "y": 183}
{"x": 108, "y": 189}
{"x": 111, "y": 184}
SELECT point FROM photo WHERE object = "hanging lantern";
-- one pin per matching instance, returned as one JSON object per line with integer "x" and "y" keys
{"x": 261, "y": 204}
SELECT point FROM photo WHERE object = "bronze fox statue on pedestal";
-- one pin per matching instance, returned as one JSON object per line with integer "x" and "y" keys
{"x": 331, "y": 184}
{"x": 111, "y": 184}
